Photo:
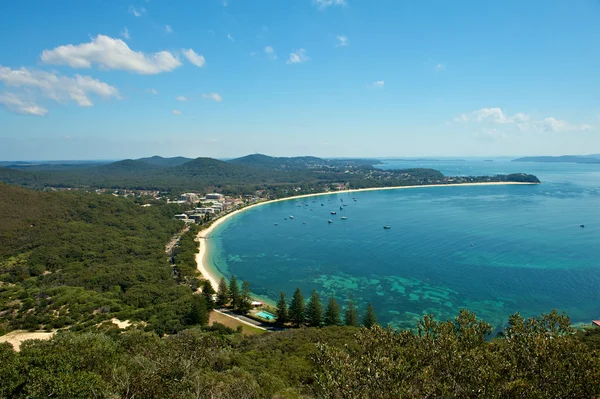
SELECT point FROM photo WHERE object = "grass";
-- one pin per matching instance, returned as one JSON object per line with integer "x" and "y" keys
{"x": 233, "y": 323}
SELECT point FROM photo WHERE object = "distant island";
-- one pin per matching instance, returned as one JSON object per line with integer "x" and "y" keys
{"x": 590, "y": 159}
{"x": 270, "y": 177}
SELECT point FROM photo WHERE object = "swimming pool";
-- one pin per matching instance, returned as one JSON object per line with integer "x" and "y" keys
{"x": 266, "y": 315}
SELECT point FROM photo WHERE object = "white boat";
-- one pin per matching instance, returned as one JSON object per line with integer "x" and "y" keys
{"x": 344, "y": 217}
{"x": 291, "y": 217}
{"x": 330, "y": 221}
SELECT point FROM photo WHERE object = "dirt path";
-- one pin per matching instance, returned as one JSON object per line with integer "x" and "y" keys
{"x": 176, "y": 238}
{"x": 16, "y": 338}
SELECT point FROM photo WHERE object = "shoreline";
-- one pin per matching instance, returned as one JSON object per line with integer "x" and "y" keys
{"x": 202, "y": 256}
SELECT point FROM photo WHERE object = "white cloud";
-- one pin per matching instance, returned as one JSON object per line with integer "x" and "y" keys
{"x": 58, "y": 87}
{"x": 378, "y": 84}
{"x": 110, "y": 53}
{"x": 212, "y": 96}
{"x": 153, "y": 91}
{"x": 168, "y": 29}
{"x": 270, "y": 53}
{"x": 342, "y": 41}
{"x": 181, "y": 98}
{"x": 322, "y": 4}
{"x": 176, "y": 112}
{"x": 230, "y": 37}
{"x": 137, "y": 11}
{"x": 439, "y": 68}
{"x": 522, "y": 121}
{"x": 125, "y": 33}
{"x": 555, "y": 125}
{"x": 297, "y": 57}
{"x": 194, "y": 58}
{"x": 15, "y": 104}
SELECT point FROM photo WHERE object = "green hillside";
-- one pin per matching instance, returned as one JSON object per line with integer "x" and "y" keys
{"x": 77, "y": 259}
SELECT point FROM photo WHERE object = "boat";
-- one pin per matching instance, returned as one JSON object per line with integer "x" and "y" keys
{"x": 322, "y": 204}
{"x": 345, "y": 204}
{"x": 333, "y": 212}
{"x": 291, "y": 217}
{"x": 344, "y": 217}
{"x": 341, "y": 208}
{"x": 303, "y": 222}
{"x": 341, "y": 200}
{"x": 582, "y": 225}
{"x": 275, "y": 224}
{"x": 387, "y": 227}
{"x": 329, "y": 221}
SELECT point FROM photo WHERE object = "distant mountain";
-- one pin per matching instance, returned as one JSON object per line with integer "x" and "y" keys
{"x": 298, "y": 163}
{"x": 265, "y": 161}
{"x": 126, "y": 165}
{"x": 591, "y": 159}
{"x": 166, "y": 162}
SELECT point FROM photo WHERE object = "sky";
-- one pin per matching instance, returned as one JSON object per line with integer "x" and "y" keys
{"x": 108, "y": 79}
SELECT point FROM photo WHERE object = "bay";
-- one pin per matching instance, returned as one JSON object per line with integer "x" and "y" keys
{"x": 494, "y": 250}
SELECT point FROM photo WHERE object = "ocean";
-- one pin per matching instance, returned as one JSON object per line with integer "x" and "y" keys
{"x": 494, "y": 250}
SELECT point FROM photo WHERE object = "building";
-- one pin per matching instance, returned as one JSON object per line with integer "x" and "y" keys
{"x": 214, "y": 196}
{"x": 192, "y": 198}
{"x": 204, "y": 210}
{"x": 181, "y": 216}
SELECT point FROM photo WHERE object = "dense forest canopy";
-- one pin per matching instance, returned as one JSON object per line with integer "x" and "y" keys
{"x": 237, "y": 176}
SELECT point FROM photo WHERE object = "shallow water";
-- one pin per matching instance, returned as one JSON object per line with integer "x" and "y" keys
{"x": 492, "y": 249}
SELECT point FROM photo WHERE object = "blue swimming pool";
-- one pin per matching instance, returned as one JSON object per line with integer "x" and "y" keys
{"x": 266, "y": 315}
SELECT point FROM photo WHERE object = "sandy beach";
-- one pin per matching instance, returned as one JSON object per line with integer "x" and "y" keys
{"x": 203, "y": 235}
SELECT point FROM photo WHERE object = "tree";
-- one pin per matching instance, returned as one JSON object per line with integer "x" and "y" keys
{"x": 314, "y": 310}
{"x": 208, "y": 292}
{"x": 198, "y": 313}
{"x": 369, "y": 320}
{"x": 234, "y": 292}
{"x": 282, "y": 310}
{"x": 351, "y": 315}
{"x": 296, "y": 311}
{"x": 332, "y": 313}
{"x": 223, "y": 292}
{"x": 245, "y": 302}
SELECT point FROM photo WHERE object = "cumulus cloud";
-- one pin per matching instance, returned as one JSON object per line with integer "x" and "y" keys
{"x": 16, "y": 104}
{"x": 168, "y": 29}
{"x": 212, "y": 96}
{"x": 137, "y": 12}
{"x": 176, "y": 112}
{"x": 270, "y": 53}
{"x": 181, "y": 98}
{"x": 194, "y": 58}
{"x": 110, "y": 53}
{"x": 297, "y": 57}
{"x": 342, "y": 41}
{"x": 378, "y": 84}
{"x": 58, "y": 87}
{"x": 322, "y": 4}
{"x": 522, "y": 121}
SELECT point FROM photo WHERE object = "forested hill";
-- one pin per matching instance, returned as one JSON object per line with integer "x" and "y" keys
{"x": 278, "y": 176}
{"x": 75, "y": 259}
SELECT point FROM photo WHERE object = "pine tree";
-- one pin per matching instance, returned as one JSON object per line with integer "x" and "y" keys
{"x": 314, "y": 310}
{"x": 332, "y": 313}
{"x": 282, "y": 311}
{"x": 296, "y": 311}
{"x": 245, "y": 298}
{"x": 198, "y": 313}
{"x": 370, "y": 319}
{"x": 208, "y": 292}
{"x": 234, "y": 293}
{"x": 351, "y": 315}
{"x": 223, "y": 293}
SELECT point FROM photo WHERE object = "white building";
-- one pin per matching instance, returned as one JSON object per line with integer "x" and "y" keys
{"x": 214, "y": 196}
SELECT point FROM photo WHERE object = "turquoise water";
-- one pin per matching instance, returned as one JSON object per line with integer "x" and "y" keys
{"x": 492, "y": 249}
{"x": 266, "y": 315}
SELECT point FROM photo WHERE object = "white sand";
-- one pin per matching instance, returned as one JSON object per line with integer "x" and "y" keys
{"x": 16, "y": 338}
{"x": 202, "y": 256}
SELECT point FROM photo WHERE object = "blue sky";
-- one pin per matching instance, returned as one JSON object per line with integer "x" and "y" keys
{"x": 101, "y": 79}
